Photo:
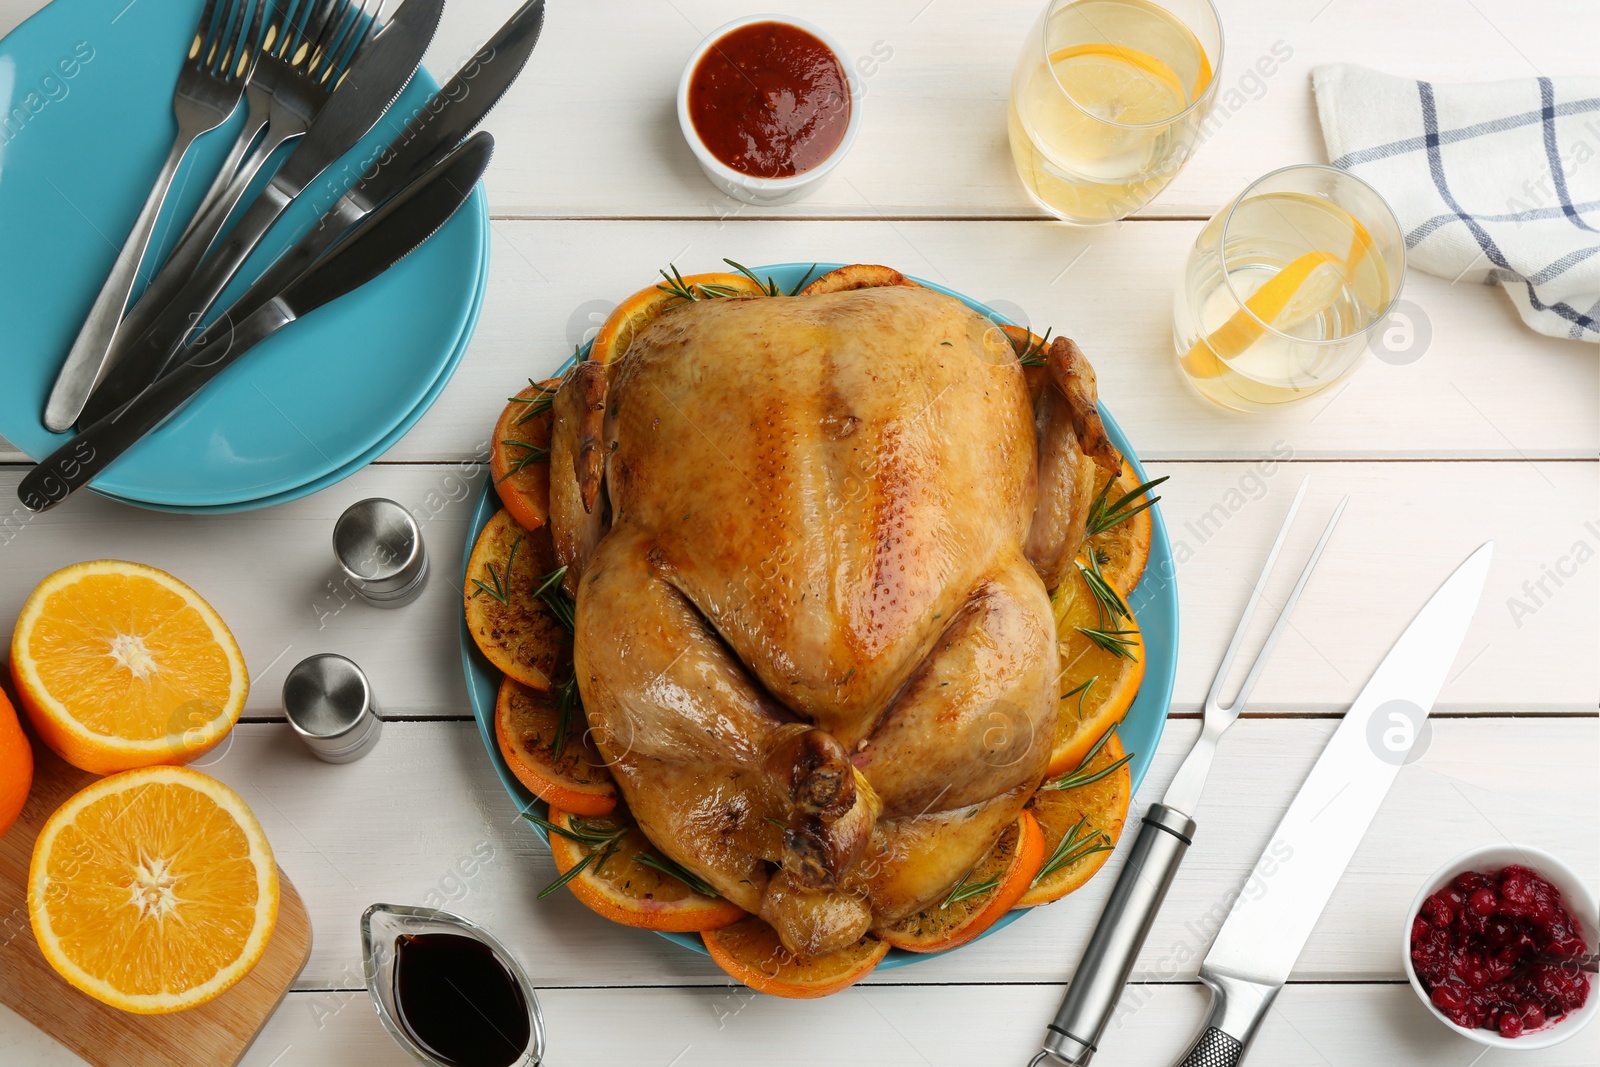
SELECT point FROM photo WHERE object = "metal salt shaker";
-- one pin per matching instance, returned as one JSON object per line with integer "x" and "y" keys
{"x": 380, "y": 551}
{"x": 329, "y": 703}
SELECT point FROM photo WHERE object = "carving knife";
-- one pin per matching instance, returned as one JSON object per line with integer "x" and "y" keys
{"x": 379, "y": 74}
{"x": 382, "y": 240}
{"x": 1253, "y": 953}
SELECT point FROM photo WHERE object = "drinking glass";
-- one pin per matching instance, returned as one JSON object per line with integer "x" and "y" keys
{"x": 1107, "y": 102}
{"x": 1284, "y": 287}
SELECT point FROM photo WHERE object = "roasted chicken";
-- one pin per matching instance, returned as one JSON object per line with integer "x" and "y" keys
{"x": 811, "y": 541}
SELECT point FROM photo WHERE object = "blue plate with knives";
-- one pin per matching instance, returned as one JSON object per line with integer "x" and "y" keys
{"x": 87, "y": 90}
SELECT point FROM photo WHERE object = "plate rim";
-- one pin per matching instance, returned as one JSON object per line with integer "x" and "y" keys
{"x": 476, "y": 669}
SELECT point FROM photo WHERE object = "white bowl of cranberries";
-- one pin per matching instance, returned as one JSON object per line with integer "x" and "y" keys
{"x": 1494, "y": 945}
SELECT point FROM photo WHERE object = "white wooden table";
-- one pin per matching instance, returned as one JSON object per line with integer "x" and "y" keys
{"x": 1493, "y": 432}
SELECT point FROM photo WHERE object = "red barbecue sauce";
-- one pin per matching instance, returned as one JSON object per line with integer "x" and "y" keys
{"x": 769, "y": 100}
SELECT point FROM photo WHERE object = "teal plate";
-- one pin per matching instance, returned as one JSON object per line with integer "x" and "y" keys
{"x": 1155, "y": 601}
{"x": 86, "y": 90}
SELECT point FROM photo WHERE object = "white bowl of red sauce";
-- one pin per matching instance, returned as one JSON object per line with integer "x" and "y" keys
{"x": 1491, "y": 942}
{"x": 769, "y": 106}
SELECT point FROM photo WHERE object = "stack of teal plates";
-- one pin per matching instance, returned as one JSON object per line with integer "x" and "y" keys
{"x": 86, "y": 103}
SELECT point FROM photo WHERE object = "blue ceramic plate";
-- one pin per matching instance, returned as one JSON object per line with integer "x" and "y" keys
{"x": 86, "y": 89}
{"x": 1155, "y": 602}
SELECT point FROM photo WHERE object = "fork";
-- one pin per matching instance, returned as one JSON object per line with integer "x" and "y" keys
{"x": 1165, "y": 833}
{"x": 208, "y": 91}
{"x": 307, "y": 46}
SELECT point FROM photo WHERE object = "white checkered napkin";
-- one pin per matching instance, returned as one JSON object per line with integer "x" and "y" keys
{"x": 1491, "y": 182}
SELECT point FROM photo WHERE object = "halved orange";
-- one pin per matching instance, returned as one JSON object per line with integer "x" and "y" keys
{"x": 16, "y": 765}
{"x": 519, "y": 455}
{"x": 976, "y": 903}
{"x": 624, "y": 878}
{"x": 751, "y": 952}
{"x": 514, "y": 629}
{"x": 1123, "y": 550}
{"x": 1081, "y": 823}
{"x": 1099, "y": 677}
{"x": 642, "y": 308}
{"x": 119, "y": 665}
{"x": 153, "y": 890}
{"x": 527, "y": 724}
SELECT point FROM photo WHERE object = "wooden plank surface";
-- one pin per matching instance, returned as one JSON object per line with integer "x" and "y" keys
{"x": 213, "y": 1034}
{"x": 1530, "y": 649}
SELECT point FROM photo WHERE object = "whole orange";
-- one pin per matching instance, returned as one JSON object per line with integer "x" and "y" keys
{"x": 16, "y": 765}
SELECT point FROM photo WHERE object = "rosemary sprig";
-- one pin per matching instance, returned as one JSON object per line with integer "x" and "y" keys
{"x": 566, "y": 701}
{"x": 695, "y": 883}
{"x": 804, "y": 278}
{"x": 1103, "y": 516}
{"x": 962, "y": 891}
{"x": 1081, "y": 775}
{"x": 1117, "y": 642}
{"x": 539, "y": 403}
{"x": 604, "y": 842}
{"x": 768, "y": 287}
{"x": 501, "y": 590}
{"x": 1106, "y": 599}
{"x": 1034, "y": 355}
{"x": 556, "y": 599}
{"x": 1081, "y": 691}
{"x": 1073, "y": 848}
{"x": 534, "y": 454}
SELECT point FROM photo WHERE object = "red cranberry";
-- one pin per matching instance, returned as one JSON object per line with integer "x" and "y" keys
{"x": 1438, "y": 911}
{"x": 1467, "y": 881}
{"x": 1484, "y": 902}
{"x": 1510, "y": 1024}
{"x": 1532, "y": 1016}
{"x": 1450, "y": 998}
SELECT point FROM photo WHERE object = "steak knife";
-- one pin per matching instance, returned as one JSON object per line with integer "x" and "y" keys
{"x": 439, "y": 125}
{"x": 1252, "y": 955}
{"x": 381, "y": 71}
{"x": 386, "y": 237}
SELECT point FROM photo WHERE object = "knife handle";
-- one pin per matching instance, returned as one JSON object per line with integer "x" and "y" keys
{"x": 1098, "y": 982}
{"x": 1237, "y": 1008}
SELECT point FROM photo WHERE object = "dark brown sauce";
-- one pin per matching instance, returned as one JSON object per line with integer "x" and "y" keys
{"x": 770, "y": 100}
{"x": 457, "y": 1000}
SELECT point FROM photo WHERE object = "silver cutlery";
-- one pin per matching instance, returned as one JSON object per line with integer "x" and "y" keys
{"x": 210, "y": 85}
{"x": 380, "y": 241}
{"x": 1253, "y": 953}
{"x": 377, "y": 77}
{"x": 440, "y": 124}
{"x": 1165, "y": 834}
{"x": 306, "y": 49}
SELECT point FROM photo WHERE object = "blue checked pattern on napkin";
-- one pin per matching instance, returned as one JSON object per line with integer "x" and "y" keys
{"x": 1496, "y": 182}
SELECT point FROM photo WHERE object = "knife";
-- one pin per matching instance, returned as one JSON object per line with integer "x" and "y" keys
{"x": 375, "y": 80}
{"x": 439, "y": 125}
{"x": 387, "y": 236}
{"x": 1252, "y": 955}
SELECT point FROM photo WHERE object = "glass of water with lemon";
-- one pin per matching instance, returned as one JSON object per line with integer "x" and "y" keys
{"x": 1107, "y": 102}
{"x": 1284, "y": 287}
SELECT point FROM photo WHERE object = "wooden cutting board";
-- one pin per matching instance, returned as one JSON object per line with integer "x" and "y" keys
{"x": 215, "y": 1033}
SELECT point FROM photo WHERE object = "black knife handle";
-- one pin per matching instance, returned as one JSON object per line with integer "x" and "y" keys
{"x": 1108, "y": 959}
{"x": 1213, "y": 1049}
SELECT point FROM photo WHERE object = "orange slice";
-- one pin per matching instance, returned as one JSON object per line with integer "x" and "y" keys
{"x": 856, "y": 276}
{"x": 153, "y": 890}
{"x": 16, "y": 765}
{"x": 976, "y": 903}
{"x": 1081, "y": 815}
{"x": 1301, "y": 290}
{"x": 751, "y": 952}
{"x": 119, "y": 665}
{"x": 527, "y": 724}
{"x": 613, "y": 868}
{"x": 1123, "y": 550}
{"x": 1100, "y": 677}
{"x": 519, "y": 455}
{"x": 514, "y": 629}
{"x": 643, "y": 307}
